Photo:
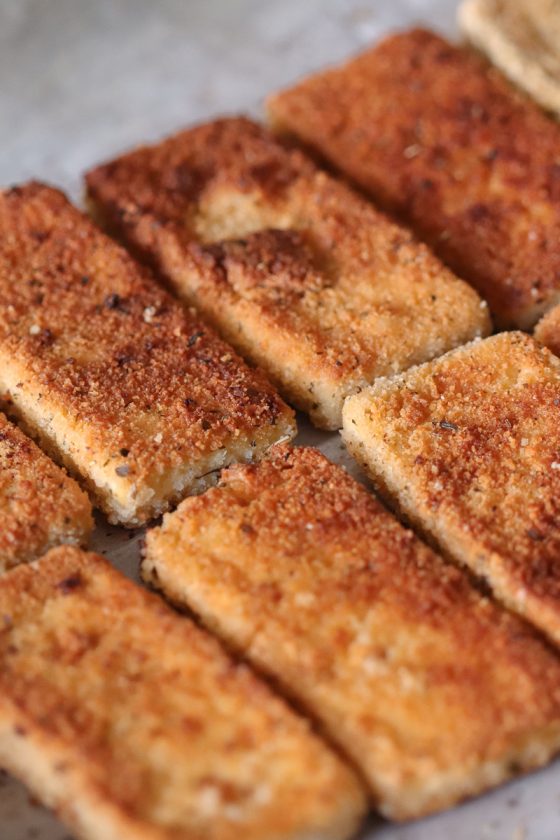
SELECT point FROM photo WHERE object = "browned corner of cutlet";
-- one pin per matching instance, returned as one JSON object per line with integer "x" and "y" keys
{"x": 435, "y": 133}
{"x": 40, "y": 506}
{"x": 122, "y": 384}
{"x": 134, "y": 724}
{"x": 468, "y": 447}
{"x": 298, "y": 272}
{"x": 401, "y": 660}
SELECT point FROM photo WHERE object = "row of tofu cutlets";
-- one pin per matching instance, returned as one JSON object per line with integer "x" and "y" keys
{"x": 419, "y": 678}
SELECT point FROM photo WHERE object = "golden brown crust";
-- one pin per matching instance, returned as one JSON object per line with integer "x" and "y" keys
{"x": 468, "y": 447}
{"x": 40, "y": 506}
{"x": 117, "y": 379}
{"x": 435, "y": 133}
{"x": 297, "y": 271}
{"x": 547, "y": 330}
{"x": 405, "y": 664}
{"x": 137, "y": 726}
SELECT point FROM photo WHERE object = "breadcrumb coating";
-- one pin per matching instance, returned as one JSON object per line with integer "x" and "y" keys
{"x": 435, "y": 692}
{"x": 301, "y": 274}
{"x": 468, "y": 448}
{"x": 127, "y": 388}
{"x": 40, "y": 506}
{"x": 133, "y": 724}
{"x": 435, "y": 133}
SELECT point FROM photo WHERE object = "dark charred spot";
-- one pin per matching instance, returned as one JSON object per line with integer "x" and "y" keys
{"x": 246, "y": 528}
{"x": 446, "y": 424}
{"x": 194, "y": 338}
{"x": 113, "y": 301}
{"x": 70, "y": 584}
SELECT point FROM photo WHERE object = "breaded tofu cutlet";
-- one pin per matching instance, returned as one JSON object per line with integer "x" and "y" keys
{"x": 133, "y": 724}
{"x": 303, "y": 276}
{"x": 116, "y": 379}
{"x": 401, "y": 660}
{"x": 40, "y": 506}
{"x": 522, "y": 37}
{"x": 435, "y": 133}
{"x": 468, "y": 448}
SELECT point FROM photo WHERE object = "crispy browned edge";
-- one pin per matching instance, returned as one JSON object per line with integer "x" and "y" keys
{"x": 435, "y": 133}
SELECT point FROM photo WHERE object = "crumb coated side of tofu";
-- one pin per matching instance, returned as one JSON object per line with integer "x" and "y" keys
{"x": 435, "y": 133}
{"x": 134, "y": 724}
{"x": 296, "y": 270}
{"x": 40, "y": 506}
{"x": 405, "y": 664}
{"x": 468, "y": 448}
{"x": 117, "y": 380}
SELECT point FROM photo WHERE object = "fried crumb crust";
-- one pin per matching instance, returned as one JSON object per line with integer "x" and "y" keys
{"x": 468, "y": 446}
{"x": 434, "y": 132}
{"x": 142, "y": 378}
{"x": 133, "y": 723}
{"x": 40, "y": 506}
{"x": 547, "y": 330}
{"x": 407, "y": 666}
{"x": 296, "y": 270}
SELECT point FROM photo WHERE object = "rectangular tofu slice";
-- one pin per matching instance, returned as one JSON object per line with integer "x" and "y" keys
{"x": 40, "y": 506}
{"x": 133, "y": 724}
{"x": 299, "y": 273}
{"x": 433, "y": 691}
{"x": 116, "y": 379}
{"x": 522, "y": 37}
{"x": 468, "y": 448}
{"x": 433, "y": 132}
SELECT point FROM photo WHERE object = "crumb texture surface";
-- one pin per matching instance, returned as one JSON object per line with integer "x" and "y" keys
{"x": 403, "y": 662}
{"x": 434, "y": 132}
{"x": 40, "y": 506}
{"x": 468, "y": 447}
{"x": 297, "y": 271}
{"x": 135, "y": 725}
{"x": 123, "y": 384}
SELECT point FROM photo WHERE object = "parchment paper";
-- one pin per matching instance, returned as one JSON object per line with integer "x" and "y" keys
{"x": 81, "y": 80}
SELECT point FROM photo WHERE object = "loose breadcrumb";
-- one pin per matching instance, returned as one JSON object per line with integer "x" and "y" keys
{"x": 434, "y": 132}
{"x": 133, "y": 724}
{"x": 468, "y": 448}
{"x": 435, "y": 692}
{"x": 297, "y": 271}
{"x": 96, "y": 381}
